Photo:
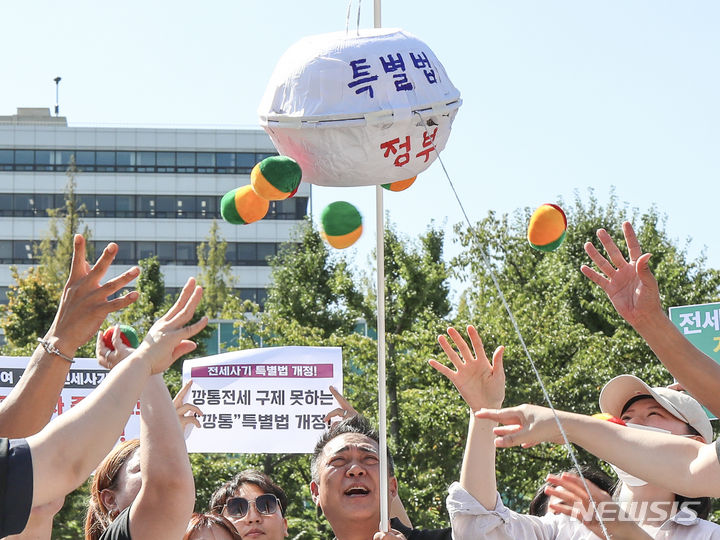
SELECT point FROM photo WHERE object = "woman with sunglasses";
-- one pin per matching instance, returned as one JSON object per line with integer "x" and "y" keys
{"x": 254, "y": 504}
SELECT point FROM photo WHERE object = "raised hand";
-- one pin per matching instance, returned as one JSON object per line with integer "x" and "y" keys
{"x": 168, "y": 339}
{"x": 187, "y": 412}
{"x": 84, "y": 303}
{"x": 480, "y": 383}
{"x": 345, "y": 410}
{"x": 108, "y": 358}
{"x": 630, "y": 285}
{"x": 574, "y": 501}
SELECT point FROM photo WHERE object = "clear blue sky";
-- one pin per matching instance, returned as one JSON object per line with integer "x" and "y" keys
{"x": 558, "y": 95}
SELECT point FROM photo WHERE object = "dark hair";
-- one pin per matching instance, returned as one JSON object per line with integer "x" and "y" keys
{"x": 207, "y": 521}
{"x": 355, "y": 424}
{"x": 539, "y": 503}
{"x": 98, "y": 517}
{"x": 248, "y": 476}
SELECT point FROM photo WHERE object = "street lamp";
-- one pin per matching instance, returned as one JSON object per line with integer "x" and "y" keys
{"x": 57, "y": 103}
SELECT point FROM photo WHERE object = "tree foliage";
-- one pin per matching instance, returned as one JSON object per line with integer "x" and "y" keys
{"x": 33, "y": 298}
{"x": 29, "y": 312}
{"x": 570, "y": 330}
{"x": 215, "y": 276}
{"x": 151, "y": 302}
{"x": 310, "y": 285}
{"x": 56, "y": 248}
{"x": 574, "y": 336}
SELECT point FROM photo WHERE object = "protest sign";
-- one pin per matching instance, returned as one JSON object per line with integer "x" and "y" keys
{"x": 84, "y": 376}
{"x": 700, "y": 324}
{"x": 269, "y": 400}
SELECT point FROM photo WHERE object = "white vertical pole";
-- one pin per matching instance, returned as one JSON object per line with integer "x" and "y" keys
{"x": 382, "y": 385}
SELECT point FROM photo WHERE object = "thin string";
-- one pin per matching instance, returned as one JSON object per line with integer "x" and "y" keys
{"x": 486, "y": 262}
{"x": 357, "y": 25}
{"x": 347, "y": 18}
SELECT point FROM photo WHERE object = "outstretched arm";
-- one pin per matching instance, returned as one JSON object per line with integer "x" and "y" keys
{"x": 633, "y": 291}
{"x": 481, "y": 384}
{"x": 677, "y": 463}
{"x": 83, "y": 307}
{"x": 167, "y": 496}
{"x": 66, "y": 451}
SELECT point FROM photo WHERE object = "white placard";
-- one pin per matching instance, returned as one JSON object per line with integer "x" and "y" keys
{"x": 84, "y": 376}
{"x": 269, "y": 400}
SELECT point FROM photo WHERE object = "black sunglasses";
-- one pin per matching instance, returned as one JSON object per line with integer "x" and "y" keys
{"x": 238, "y": 507}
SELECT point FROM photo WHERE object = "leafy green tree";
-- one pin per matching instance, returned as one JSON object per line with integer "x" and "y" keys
{"x": 417, "y": 302}
{"x": 571, "y": 330}
{"x": 151, "y": 302}
{"x": 34, "y": 297}
{"x": 55, "y": 251}
{"x": 310, "y": 285}
{"x": 416, "y": 293}
{"x": 215, "y": 275}
{"x": 29, "y": 313}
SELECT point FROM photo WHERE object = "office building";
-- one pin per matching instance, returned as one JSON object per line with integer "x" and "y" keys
{"x": 154, "y": 191}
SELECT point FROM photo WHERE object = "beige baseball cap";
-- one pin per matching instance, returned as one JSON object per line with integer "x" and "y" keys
{"x": 618, "y": 391}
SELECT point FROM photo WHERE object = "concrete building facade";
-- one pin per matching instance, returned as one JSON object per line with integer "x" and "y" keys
{"x": 153, "y": 191}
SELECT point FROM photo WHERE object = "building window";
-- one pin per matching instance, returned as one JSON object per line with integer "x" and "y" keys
{"x": 24, "y": 160}
{"x": 105, "y": 205}
{"x": 6, "y": 204}
{"x": 43, "y": 203}
{"x": 6, "y": 160}
{"x": 165, "y": 161}
{"x": 145, "y": 161}
{"x": 6, "y": 251}
{"x": 85, "y": 160}
{"x": 165, "y": 206}
{"x": 125, "y": 161}
{"x": 105, "y": 161}
{"x": 125, "y": 206}
{"x": 186, "y": 253}
{"x": 138, "y": 206}
{"x": 44, "y": 160}
{"x": 186, "y": 162}
{"x": 166, "y": 252}
{"x": 27, "y": 159}
{"x": 63, "y": 159}
{"x": 246, "y": 253}
{"x": 145, "y": 250}
{"x": 22, "y": 251}
{"x": 185, "y": 205}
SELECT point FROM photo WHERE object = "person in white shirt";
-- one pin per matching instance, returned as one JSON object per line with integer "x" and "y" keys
{"x": 474, "y": 504}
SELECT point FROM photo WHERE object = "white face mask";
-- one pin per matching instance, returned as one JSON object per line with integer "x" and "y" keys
{"x": 627, "y": 478}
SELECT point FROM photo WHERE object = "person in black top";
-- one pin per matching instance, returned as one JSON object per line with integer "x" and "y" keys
{"x": 61, "y": 456}
{"x": 345, "y": 484}
{"x": 83, "y": 307}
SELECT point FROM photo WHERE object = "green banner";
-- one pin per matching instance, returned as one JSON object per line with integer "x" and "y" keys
{"x": 700, "y": 324}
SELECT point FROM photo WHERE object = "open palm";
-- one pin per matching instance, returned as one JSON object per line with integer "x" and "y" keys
{"x": 629, "y": 285}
